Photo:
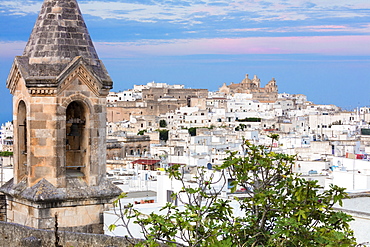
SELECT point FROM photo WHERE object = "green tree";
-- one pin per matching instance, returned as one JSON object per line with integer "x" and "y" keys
{"x": 6, "y": 153}
{"x": 250, "y": 119}
{"x": 192, "y": 131}
{"x": 163, "y": 135}
{"x": 240, "y": 127}
{"x": 282, "y": 209}
{"x": 201, "y": 222}
{"x": 162, "y": 123}
{"x": 279, "y": 208}
{"x": 141, "y": 132}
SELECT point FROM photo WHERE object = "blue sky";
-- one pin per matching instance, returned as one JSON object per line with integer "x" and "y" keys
{"x": 320, "y": 48}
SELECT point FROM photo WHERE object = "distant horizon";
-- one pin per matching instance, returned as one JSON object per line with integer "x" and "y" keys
{"x": 262, "y": 85}
{"x": 319, "y": 48}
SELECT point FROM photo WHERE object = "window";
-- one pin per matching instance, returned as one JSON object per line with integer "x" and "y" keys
{"x": 22, "y": 139}
{"x": 77, "y": 137}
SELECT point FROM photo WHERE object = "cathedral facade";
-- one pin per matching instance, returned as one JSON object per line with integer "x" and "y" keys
{"x": 252, "y": 86}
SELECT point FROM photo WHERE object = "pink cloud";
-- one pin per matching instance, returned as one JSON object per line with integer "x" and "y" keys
{"x": 326, "y": 45}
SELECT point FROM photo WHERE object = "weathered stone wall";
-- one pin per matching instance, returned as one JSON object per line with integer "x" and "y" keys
{"x": 42, "y": 215}
{"x": 15, "y": 235}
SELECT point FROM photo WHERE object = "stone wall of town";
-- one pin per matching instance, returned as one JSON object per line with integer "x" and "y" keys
{"x": 15, "y": 235}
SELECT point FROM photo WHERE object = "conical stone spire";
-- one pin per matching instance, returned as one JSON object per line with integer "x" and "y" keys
{"x": 59, "y": 35}
{"x": 59, "y": 39}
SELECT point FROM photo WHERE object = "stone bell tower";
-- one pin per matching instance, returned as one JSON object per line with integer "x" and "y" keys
{"x": 59, "y": 89}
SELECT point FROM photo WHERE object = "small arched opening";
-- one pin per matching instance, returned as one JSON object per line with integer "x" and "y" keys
{"x": 22, "y": 140}
{"x": 77, "y": 139}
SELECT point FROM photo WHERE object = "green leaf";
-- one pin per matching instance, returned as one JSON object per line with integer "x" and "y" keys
{"x": 112, "y": 227}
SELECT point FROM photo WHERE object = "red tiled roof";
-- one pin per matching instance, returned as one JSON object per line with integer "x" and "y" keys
{"x": 145, "y": 162}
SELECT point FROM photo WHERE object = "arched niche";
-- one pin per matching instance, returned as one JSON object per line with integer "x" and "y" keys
{"x": 22, "y": 140}
{"x": 77, "y": 139}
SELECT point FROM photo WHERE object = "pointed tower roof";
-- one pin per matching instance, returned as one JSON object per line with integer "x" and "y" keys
{"x": 58, "y": 37}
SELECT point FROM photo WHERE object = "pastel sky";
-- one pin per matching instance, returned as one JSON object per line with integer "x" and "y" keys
{"x": 320, "y": 48}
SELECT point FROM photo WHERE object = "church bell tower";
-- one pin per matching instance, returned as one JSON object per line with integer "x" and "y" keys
{"x": 59, "y": 89}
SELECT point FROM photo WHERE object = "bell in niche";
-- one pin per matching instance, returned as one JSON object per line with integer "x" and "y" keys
{"x": 74, "y": 130}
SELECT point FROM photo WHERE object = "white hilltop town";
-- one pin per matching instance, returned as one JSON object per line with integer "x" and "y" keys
{"x": 73, "y": 146}
{"x": 153, "y": 126}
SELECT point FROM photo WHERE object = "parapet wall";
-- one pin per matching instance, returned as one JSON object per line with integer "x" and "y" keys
{"x": 15, "y": 235}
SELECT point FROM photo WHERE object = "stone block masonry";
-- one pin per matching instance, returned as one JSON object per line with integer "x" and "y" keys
{"x": 15, "y": 235}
